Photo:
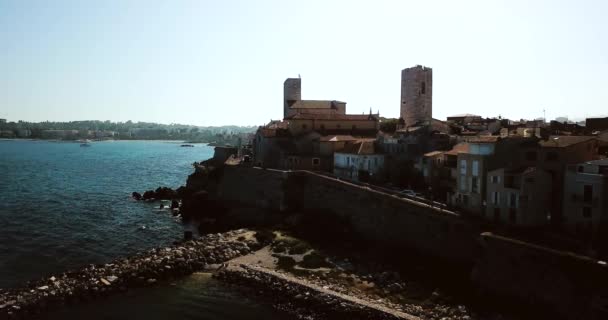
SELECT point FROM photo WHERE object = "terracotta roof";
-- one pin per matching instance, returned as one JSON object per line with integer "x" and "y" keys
{"x": 319, "y": 116}
{"x": 459, "y": 148}
{"x": 360, "y": 147}
{"x": 433, "y": 153}
{"x": 563, "y": 141}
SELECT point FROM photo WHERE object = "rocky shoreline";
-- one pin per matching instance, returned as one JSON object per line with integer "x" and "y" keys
{"x": 304, "y": 298}
{"x": 145, "y": 269}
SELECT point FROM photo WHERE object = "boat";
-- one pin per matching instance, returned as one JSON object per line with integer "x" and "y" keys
{"x": 187, "y": 145}
{"x": 85, "y": 143}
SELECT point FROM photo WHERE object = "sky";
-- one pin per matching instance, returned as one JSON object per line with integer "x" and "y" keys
{"x": 224, "y": 62}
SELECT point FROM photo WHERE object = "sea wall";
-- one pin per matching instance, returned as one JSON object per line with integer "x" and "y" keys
{"x": 387, "y": 219}
{"x": 574, "y": 287}
{"x": 374, "y": 216}
{"x": 253, "y": 187}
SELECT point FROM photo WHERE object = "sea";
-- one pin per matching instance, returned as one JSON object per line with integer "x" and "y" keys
{"x": 64, "y": 206}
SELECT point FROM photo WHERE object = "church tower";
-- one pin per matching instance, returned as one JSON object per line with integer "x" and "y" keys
{"x": 292, "y": 93}
{"x": 417, "y": 95}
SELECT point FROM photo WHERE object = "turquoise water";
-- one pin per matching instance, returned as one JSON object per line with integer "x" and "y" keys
{"x": 63, "y": 206}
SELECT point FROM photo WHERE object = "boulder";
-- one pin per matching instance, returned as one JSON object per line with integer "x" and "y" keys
{"x": 136, "y": 196}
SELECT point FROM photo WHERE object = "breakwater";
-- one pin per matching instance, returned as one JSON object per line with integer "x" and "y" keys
{"x": 144, "y": 269}
{"x": 308, "y": 299}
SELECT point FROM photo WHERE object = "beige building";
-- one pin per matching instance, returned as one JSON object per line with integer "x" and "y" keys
{"x": 293, "y": 103}
{"x": 301, "y": 123}
{"x": 518, "y": 196}
{"x": 471, "y": 173}
{"x": 586, "y": 198}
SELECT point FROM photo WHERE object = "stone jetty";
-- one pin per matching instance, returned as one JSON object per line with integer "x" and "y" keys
{"x": 145, "y": 269}
{"x": 304, "y": 298}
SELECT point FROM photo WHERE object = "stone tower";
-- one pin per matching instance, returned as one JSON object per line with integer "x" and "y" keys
{"x": 292, "y": 93}
{"x": 417, "y": 95}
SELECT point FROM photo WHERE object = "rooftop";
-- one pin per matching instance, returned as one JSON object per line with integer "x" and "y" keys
{"x": 318, "y": 116}
{"x": 360, "y": 147}
{"x": 315, "y": 104}
{"x": 464, "y": 115}
{"x": 459, "y": 148}
{"x": 563, "y": 141}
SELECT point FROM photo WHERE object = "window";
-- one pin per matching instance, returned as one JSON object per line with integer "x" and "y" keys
{"x": 316, "y": 161}
{"x": 587, "y": 193}
{"x": 474, "y": 185}
{"x": 586, "y": 212}
{"x": 475, "y": 168}
{"x": 423, "y": 87}
{"x": 495, "y": 179}
{"x": 376, "y": 162}
{"x": 551, "y": 156}
{"x": 463, "y": 183}
{"x": 463, "y": 166}
{"x": 513, "y": 200}
{"x": 495, "y": 198}
{"x": 348, "y": 161}
{"x": 531, "y": 156}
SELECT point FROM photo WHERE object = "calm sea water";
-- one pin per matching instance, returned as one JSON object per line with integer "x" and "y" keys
{"x": 63, "y": 206}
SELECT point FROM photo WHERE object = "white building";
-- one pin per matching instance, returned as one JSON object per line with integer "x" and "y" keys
{"x": 358, "y": 161}
{"x": 586, "y": 198}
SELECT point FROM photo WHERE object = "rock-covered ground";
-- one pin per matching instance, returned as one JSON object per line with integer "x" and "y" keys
{"x": 145, "y": 269}
{"x": 373, "y": 283}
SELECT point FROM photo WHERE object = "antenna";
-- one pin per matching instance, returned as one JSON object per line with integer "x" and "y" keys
{"x": 544, "y": 115}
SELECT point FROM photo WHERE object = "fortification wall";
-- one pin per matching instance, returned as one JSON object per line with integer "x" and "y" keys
{"x": 574, "y": 287}
{"x": 253, "y": 187}
{"x": 390, "y": 220}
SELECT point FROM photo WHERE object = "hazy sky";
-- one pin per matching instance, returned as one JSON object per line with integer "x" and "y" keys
{"x": 224, "y": 62}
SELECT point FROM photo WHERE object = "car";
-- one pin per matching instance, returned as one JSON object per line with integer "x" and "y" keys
{"x": 409, "y": 193}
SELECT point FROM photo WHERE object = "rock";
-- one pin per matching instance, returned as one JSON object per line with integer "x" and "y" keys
{"x": 151, "y": 281}
{"x": 43, "y": 288}
{"x": 112, "y": 278}
{"x": 136, "y": 196}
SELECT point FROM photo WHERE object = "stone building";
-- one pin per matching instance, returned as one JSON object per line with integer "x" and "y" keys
{"x": 362, "y": 124}
{"x": 586, "y": 198}
{"x": 293, "y": 103}
{"x": 518, "y": 197}
{"x": 417, "y": 95}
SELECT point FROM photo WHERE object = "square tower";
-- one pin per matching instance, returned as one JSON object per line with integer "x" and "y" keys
{"x": 292, "y": 93}
{"x": 417, "y": 95}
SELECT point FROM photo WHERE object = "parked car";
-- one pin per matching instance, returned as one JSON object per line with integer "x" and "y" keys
{"x": 409, "y": 193}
